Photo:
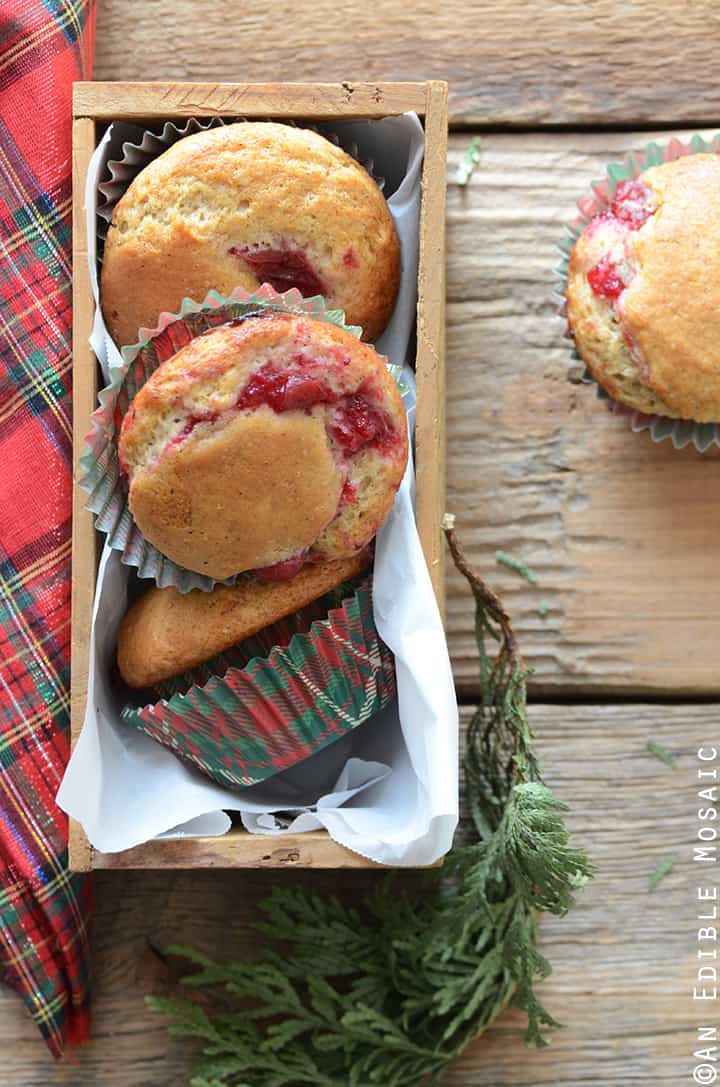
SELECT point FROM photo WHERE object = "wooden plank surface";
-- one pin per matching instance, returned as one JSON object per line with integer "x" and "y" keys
{"x": 237, "y": 849}
{"x": 540, "y": 62}
{"x": 622, "y": 532}
{"x": 624, "y": 959}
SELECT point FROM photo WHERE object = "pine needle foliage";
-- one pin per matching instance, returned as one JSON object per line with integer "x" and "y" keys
{"x": 389, "y": 994}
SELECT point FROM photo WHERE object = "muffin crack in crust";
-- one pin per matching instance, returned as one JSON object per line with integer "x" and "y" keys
{"x": 264, "y": 444}
{"x": 643, "y": 293}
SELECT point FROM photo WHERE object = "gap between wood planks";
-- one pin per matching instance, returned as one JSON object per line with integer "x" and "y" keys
{"x": 510, "y": 128}
{"x": 466, "y": 697}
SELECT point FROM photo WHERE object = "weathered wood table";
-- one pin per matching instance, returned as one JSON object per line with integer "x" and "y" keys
{"x": 622, "y": 532}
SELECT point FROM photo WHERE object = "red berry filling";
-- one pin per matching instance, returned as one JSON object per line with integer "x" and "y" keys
{"x": 282, "y": 269}
{"x": 629, "y": 208}
{"x": 349, "y": 494}
{"x": 282, "y": 571}
{"x": 193, "y": 421}
{"x": 631, "y": 204}
{"x": 355, "y": 423}
{"x": 605, "y": 280}
{"x": 283, "y": 391}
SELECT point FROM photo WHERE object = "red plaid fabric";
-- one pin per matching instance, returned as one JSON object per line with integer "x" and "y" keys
{"x": 44, "y": 910}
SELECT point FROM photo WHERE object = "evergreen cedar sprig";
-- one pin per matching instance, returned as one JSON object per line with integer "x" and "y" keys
{"x": 389, "y": 994}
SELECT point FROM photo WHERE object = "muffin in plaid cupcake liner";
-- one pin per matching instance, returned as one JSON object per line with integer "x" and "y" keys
{"x": 298, "y": 685}
{"x": 607, "y": 321}
{"x": 100, "y": 472}
{"x": 255, "y": 720}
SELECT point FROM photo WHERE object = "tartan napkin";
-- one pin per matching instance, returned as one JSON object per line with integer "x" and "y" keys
{"x": 44, "y": 910}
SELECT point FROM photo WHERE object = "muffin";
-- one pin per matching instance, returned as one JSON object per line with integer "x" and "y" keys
{"x": 277, "y": 698}
{"x": 245, "y": 204}
{"x": 265, "y": 443}
{"x": 643, "y": 291}
{"x": 166, "y": 632}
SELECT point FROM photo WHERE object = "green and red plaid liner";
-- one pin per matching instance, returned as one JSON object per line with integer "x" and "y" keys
{"x": 44, "y": 910}
{"x": 249, "y": 723}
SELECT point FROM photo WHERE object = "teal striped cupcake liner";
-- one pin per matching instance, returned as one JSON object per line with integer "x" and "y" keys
{"x": 681, "y": 432}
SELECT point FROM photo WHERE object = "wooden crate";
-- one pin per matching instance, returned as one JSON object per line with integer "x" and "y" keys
{"x": 99, "y": 103}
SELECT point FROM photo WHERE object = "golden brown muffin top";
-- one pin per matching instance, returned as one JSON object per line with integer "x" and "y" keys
{"x": 238, "y": 449}
{"x": 672, "y": 305}
{"x": 243, "y": 204}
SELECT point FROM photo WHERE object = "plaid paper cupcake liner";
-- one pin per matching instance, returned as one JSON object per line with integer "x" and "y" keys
{"x": 244, "y": 726}
{"x": 681, "y": 432}
{"x": 261, "y": 644}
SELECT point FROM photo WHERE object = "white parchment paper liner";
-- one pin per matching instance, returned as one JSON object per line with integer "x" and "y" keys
{"x": 389, "y": 791}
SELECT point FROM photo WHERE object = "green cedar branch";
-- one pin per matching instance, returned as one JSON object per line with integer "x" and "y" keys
{"x": 388, "y": 994}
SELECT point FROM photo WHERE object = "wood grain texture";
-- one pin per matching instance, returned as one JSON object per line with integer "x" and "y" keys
{"x": 622, "y": 532}
{"x": 623, "y": 959}
{"x": 541, "y": 62}
{"x": 134, "y": 101}
{"x": 430, "y": 444}
{"x": 84, "y": 400}
{"x": 237, "y": 849}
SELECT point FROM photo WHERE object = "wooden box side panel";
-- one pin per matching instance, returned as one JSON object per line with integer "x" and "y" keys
{"x": 430, "y": 420}
{"x": 237, "y": 849}
{"x": 84, "y": 398}
{"x": 106, "y": 101}
{"x": 137, "y": 101}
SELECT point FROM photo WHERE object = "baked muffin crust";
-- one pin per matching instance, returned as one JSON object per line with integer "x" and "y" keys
{"x": 244, "y": 204}
{"x": 643, "y": 294}
{"x": 166, "y": 632}
{"x": 265, "y": 443}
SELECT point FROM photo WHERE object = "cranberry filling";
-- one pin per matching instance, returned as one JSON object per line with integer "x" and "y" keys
{"x": 630, "y": 204}
{"x": 193, "y": 421}
{"x": 631, "y": 208}
{"x": 283, "y": 391}
{"x": 605, "y": 280}
{"x": 282, "y": 571}
{"x": 355, "y": 423}
{"x": 282, "y": 269}
{"x": 349, "y": 494}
